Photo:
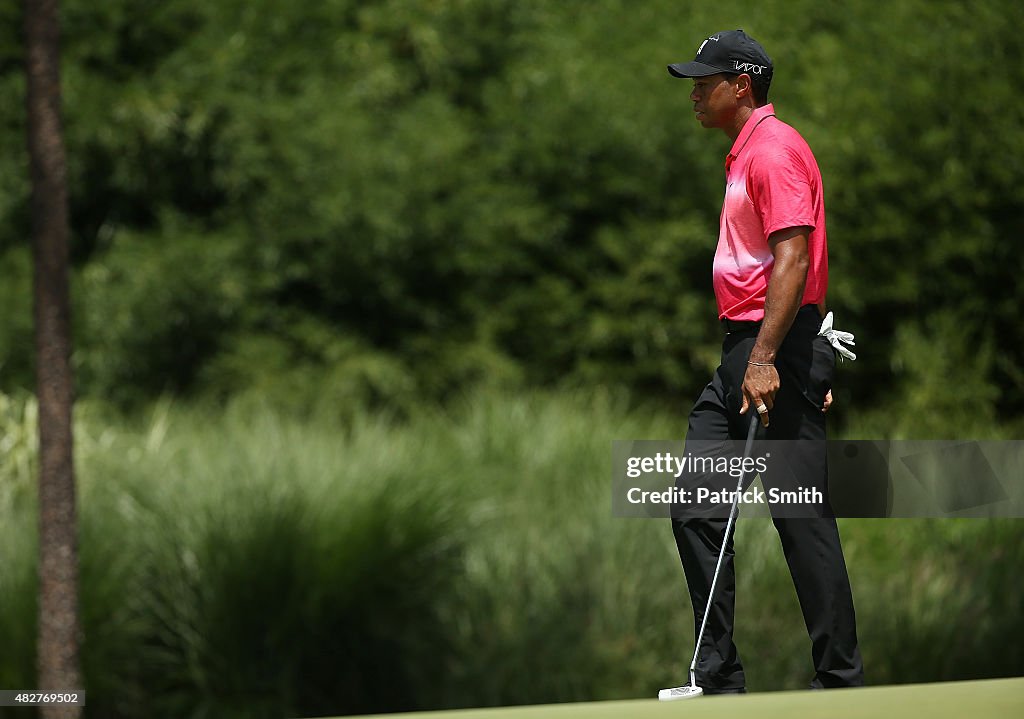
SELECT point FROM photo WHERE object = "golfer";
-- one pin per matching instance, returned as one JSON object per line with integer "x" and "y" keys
{"x": 770, "y": 276}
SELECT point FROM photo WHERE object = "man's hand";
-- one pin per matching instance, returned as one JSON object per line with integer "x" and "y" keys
{"x": 828, "y": 401}
{"x": 760, "y": 384}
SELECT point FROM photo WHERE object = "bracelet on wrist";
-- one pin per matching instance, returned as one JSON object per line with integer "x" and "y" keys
{"x": 761, "y": 364}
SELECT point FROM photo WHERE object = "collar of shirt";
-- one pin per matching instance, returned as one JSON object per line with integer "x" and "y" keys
{"x": 756, "y": 118}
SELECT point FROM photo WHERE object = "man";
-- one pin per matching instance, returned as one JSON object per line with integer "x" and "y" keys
{"x": 770, "y": 277}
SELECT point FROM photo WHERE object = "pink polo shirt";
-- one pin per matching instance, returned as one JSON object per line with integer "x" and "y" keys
{"x": 772, "y": 182}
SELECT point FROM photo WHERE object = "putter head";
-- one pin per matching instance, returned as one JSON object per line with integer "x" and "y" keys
{"x": 687, "y": 691}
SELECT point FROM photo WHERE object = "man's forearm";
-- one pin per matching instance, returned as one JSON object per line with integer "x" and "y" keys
{"x": 782, "y": 301}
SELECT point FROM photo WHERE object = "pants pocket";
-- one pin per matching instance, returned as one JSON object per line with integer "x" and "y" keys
{"x": 823, "y": 365}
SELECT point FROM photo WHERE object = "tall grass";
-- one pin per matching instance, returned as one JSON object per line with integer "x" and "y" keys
{"x": 239, "y": 563}
{"x": 244, "y": 566}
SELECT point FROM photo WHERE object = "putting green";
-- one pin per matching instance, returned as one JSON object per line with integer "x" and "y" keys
{"x": 947, "y": 700}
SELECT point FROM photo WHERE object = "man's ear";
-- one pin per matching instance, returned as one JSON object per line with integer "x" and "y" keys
{"x": 744, "y": 86}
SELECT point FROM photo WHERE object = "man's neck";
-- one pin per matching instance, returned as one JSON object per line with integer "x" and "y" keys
{"x": 734, "y": 128}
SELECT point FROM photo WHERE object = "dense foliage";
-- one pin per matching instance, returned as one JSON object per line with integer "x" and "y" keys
{"x": 379, "y": 202}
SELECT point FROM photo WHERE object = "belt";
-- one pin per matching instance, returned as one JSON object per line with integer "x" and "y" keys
{"x": 753, "y": 326}
{"x": 740, "y": 326}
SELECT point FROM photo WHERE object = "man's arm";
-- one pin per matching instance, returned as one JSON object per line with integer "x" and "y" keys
{"x": 782, "y": 301}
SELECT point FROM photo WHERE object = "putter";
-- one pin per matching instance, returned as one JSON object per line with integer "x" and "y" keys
{"x": 691, "y": 690}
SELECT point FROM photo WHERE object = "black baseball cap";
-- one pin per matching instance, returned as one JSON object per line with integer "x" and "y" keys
{"x": 731, "y": 51}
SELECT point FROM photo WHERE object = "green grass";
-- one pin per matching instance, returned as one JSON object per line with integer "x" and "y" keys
{"x": 996, "y": 698}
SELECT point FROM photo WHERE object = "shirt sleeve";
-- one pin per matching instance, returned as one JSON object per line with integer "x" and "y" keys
{"x": 779, "y": 186}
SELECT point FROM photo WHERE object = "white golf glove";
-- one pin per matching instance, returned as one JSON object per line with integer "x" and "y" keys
{"x": 837, "y": 338}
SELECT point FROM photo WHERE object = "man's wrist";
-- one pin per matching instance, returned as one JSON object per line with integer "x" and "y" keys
{"x": 762, "y": 356}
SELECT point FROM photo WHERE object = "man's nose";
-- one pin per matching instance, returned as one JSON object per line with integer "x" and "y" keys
{"x": 694, "y": 96}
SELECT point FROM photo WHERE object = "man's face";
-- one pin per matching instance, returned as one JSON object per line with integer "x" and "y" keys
{"x": 714, "y": 100}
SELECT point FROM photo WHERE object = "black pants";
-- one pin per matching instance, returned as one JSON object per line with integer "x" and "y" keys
{"x": 805, "y": 363}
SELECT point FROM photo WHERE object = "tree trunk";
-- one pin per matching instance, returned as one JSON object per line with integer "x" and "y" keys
{"x": 58, "y": 547}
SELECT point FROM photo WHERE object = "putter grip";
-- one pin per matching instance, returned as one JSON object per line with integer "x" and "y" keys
{"x": 751, "y": 431}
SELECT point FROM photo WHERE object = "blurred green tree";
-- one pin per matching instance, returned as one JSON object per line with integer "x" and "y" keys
{"x": 509, "y": 192}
